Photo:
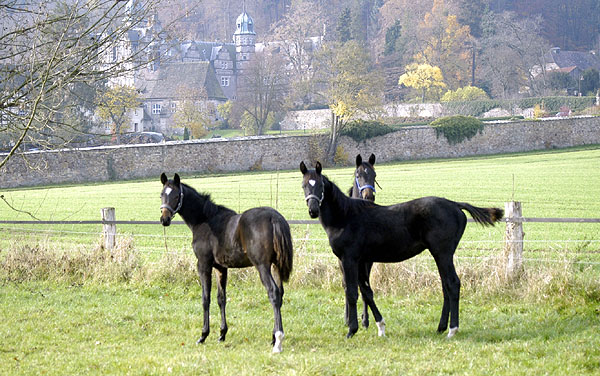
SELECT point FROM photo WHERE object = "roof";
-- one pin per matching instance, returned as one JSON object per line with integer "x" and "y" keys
{"x": 206, "y": 51}
{"x": 244, "y": 24}
{"x": 566, "y": 59}
{"x": 194, "y": 74}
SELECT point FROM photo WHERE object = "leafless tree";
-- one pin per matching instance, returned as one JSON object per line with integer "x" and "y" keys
{"x": 298, "y": 35}
{"x": 261, "y": 91}
{"x": 511, "y": 47}
{"x": 51, "y": 52}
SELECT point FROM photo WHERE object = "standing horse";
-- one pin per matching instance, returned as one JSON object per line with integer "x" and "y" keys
{"x": 363, "y": 187}
{"x": 224, "y": 239}
{"x": 361, "y": 232}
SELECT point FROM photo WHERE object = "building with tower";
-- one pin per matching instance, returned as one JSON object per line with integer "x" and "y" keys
{"x": 213, "y": 69}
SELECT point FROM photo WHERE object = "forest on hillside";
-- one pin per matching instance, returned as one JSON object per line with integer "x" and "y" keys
{"x": 490, "y": 44}
{"x": 568, "y": 24}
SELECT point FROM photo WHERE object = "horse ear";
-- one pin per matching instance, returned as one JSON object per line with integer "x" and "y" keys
{"x": 163, "y": 178}
{"x": 372, "y": 159}
{"x": 176, "y": 180}
{"x": 318, "y": 168}
{"x": 303, "y": 168}
{"x": 358, "y": 160}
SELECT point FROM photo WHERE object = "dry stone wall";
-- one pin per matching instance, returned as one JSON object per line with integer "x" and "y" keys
{"x": 282, "y": 152}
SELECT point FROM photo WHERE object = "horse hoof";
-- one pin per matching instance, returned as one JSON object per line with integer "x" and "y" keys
{"x": 381, "y": 328}
{"x": 201, "y": 339}
{"x": 221, "y": 338}
{"x": 278, "y": 346}
{"x": 452, "y": 332}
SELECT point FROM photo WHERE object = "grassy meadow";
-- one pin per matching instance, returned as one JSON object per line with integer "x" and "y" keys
{"x": 67, "y": 306}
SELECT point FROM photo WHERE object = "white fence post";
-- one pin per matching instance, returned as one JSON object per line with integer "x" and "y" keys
{"x": 513, "y": 248}
{"x": 109, "y": 230}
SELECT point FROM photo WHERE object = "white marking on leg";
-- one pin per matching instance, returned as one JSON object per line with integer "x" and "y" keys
{"x": 452, "y": 332}
{"x": 277, "y": 347}
{"x": 381, "y": 328}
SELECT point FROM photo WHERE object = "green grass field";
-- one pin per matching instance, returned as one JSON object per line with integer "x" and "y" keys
{"x": 69, "y": 307}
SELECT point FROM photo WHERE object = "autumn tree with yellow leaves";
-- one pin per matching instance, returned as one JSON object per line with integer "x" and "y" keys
{"x": 114, "y": 106}
{"x": 447, "y": 45}
{"x": 350, "y": 83}
{"x": 427, "y": 79}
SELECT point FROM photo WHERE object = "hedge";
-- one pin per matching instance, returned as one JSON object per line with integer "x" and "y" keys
{"x": 360, "y": 130}
{"x": 549, "y": 104}
{"x": 457, "y": 128}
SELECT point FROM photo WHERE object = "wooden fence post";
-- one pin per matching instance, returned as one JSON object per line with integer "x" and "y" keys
{"x": 109, "y": 230}
{"x": 513, "y": 248}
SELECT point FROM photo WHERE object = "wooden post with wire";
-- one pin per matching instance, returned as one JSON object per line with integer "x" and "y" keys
{"x": 109, "y": 230}
{"x": 513, "y": 248}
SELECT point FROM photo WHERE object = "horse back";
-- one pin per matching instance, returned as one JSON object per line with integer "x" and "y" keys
{"x": 398, "y": 232}
{"x": 260, "y": 231}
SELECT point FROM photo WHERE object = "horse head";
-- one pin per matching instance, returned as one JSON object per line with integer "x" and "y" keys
{"x": 171, "y": 197}
{"x": 364, "y": 179}
{"x": 314, "y": 189}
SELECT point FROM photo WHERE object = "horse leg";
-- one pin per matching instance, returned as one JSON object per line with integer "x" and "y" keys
{"x": 351, "y": 282}
{"x": 366, "y": 268}
{"x": 205, "y": 279}
{"x": 368, "y": 299}
{"x": 344, "y": 285}
{"x": 222, "y": 300}
{"x": 275, "y": 296}
{"x": 451, "y": 288}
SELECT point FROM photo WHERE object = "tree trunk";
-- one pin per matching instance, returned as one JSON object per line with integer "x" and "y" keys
{"x": 333, "y": 139}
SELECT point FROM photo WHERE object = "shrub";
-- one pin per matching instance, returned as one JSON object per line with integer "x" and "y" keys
{"x": 471, "y": 108}
{"x": 341, "y": 157}
{"x": 457, "y": 128}
{"x": 467, "y": 93}
{"x": 360, "y": 130}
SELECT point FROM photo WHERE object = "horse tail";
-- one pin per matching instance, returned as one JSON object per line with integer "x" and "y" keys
{"x": 483, "y": 216}
{"x": 282, "y": 244}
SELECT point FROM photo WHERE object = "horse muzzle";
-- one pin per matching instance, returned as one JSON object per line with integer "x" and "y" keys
{"x": 367, "y": 194}
{"x": 313, "y": 208}
{"x": 166, "y": 217}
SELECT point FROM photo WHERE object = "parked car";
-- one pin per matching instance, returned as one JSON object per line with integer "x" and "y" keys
{"x": 142, "y": 138}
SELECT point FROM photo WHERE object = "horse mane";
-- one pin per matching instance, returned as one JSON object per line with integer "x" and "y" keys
{"x": 345, "y": 203}
{"x": 208, "y": 208}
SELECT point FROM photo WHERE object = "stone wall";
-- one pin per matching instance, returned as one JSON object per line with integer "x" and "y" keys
{"x": 283, "y": 152}
{"x": 502, "y": 137}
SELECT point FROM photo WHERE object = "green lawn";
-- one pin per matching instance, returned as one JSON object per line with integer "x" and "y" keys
{"x": 123, "y": 329}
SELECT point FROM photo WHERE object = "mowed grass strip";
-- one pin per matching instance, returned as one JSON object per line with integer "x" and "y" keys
{"x": 557, "y": 183}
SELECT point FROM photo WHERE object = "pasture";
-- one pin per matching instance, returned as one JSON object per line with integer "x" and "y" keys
{"x": 137, "y": 309}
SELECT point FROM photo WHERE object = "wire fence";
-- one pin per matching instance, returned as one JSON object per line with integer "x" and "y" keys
{"x": 310, "y": 241}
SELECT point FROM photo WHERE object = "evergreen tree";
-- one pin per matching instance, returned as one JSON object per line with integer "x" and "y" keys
{"x": 343, "y": 30}
{"x": 391, "y": 38}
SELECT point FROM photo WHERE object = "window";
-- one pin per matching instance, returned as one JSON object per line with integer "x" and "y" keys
{"x": 225, "y": 81}
{"x": 173, "y": 107}
{"x": 223, "y": 65}
{"x": 156, "y": 107}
